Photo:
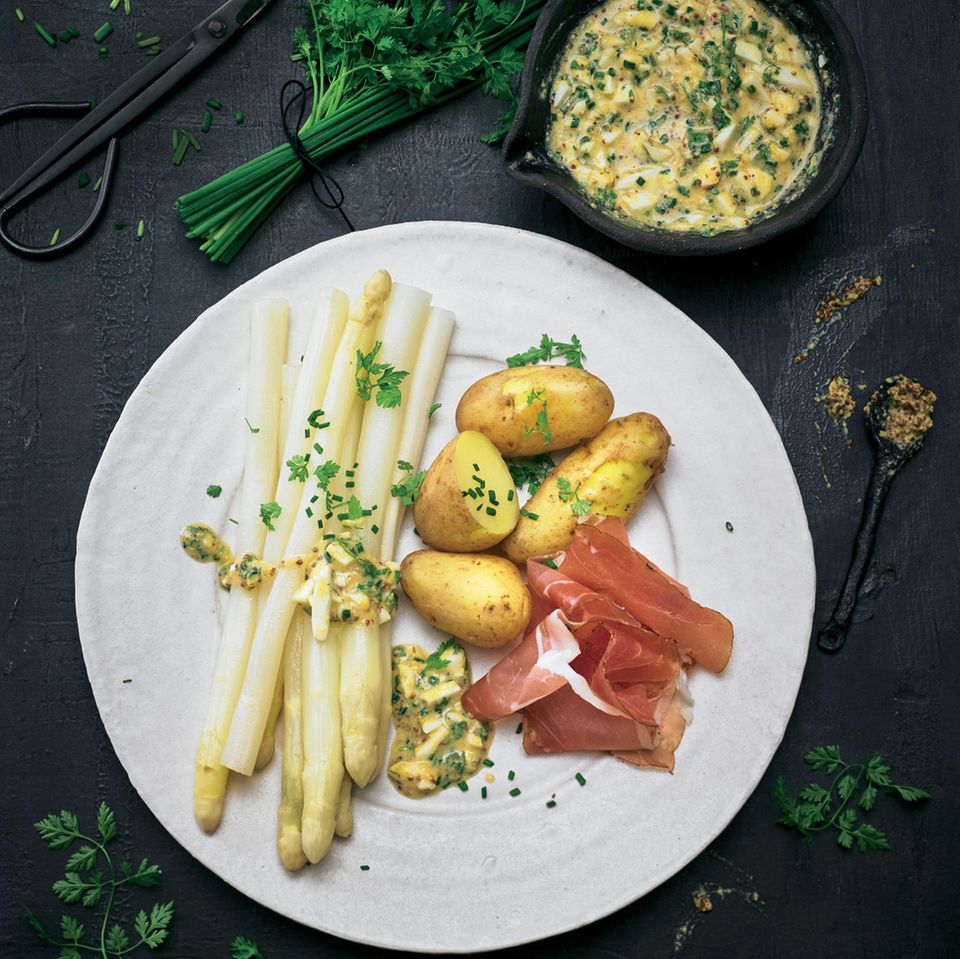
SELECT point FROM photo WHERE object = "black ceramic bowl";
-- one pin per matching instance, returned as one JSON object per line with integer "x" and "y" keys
{"x": 840, "y": 140}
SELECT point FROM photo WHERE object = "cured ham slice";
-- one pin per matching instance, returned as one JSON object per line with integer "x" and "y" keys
{"x": 599, "y": 560}
{"x": 660, "y": 756}
{"x": 563, "y": 722}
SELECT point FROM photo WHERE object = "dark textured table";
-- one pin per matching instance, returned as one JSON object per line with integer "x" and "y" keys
{"x": 77, "y": 334}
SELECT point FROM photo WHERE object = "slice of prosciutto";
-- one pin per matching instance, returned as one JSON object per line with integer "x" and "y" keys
{"x": 598, "y": 559}
{"x": 563, "y": 722}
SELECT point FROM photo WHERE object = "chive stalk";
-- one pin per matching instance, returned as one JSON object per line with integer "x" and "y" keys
{"x": 56, "y": 237}
{"x": 102, "y": 32}
{"x": 141, "y": 229}
{"x": 96, "y": 186}
{"x": 206, "y": 122}
{"x": 114, "y": 4}
{"x": 19, "y": 14}
{"x": 238, "y": 118}
{"x": 45, "y": 33}
{"x": 214, "y": 104}
{"x": 83, "y": 180}
{"x": 148, "y": 41}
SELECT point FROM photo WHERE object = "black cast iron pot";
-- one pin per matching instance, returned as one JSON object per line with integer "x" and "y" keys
{"x": 839, "y": 142}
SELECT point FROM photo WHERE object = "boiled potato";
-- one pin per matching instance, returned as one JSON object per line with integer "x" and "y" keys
{"x": 479, "y": 599}
{"x": 612, "y": 472}
{"x": 467, "y": 501}
{"x": 504, "y": 406}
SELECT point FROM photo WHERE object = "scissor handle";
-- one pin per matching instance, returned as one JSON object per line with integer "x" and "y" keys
{"x": 52, "y": 109}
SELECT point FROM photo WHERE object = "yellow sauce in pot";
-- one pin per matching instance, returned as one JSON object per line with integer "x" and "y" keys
{"x": 693, "y": 115}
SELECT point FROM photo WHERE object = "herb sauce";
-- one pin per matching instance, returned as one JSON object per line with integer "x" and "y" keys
{"x": 437, "y": 743}
{"x": 692, "y": 116}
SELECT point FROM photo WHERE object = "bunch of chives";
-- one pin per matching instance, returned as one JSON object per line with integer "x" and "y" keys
{"x": 226, "y": 212}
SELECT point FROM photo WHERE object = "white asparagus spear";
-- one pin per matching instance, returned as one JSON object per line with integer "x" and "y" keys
{"x": 289, "y": 840}
{"x": 343, "y": 826}
{"x": 363, "y": 684}
{"x": 288, "y": 386}
{"x": 250, "y": 715}
{"x": 425, "y": 379}
{"x": 267, "y": 348}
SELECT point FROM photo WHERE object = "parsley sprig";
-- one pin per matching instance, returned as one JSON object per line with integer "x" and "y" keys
{"x": 243, "y": 948}
{"x": 578, "y": 505}
{"x": 571, "y": 353}
{"x": 817, "y": 808}
{"x": 437, "y": 660}
{"x": 90, "y": 877}
{"x": 379, "y": 378}
{"x": 541, "y": 423}
{"x": 269, "y": 512}
{"x": 408, "y": 489}
{"x": 530, "y": 471}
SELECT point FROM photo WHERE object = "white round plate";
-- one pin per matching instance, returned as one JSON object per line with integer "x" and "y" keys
{"x": 521, "y": 870}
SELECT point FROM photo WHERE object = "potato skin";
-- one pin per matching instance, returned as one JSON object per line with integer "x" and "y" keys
{"x": 480, "y": 599}
{"x": 638, "y": 439}
{"x": 578, "y": 404}
{"x": 442, "y": 516}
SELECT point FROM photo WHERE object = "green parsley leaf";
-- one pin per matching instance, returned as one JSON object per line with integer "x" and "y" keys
{"x": 268, "y": 513}
{"x": 213, "y": 491}
{"x": 578, "y": 505}
{"x": 571, "y": 353}
{"x": 378, "y": 380}
{"x": 821, "y": 808}
{"x": 299, "y": 468}
{"x": 436, "y": 659}
{"x": 408, "y": 489}
{"x": 530, "y": 471}
{"x": 325, "y": 472}
{"x": 243, "y": 948}
{"x": 433, "y": 409}
{"x": 541, "y": 423}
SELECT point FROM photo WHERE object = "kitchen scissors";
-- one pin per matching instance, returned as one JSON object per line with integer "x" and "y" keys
{"x": 103, "y": 123}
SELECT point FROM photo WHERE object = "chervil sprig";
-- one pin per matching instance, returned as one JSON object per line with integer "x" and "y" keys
{"x": 568, "y": 494}
{"x": 817, "y": 808}
{"x": 571, "y": 353}
{"x": 530, "y": 471}
{"x": 91, "y": 879}
{"x": 542, "y": 422}
{"x": 379, "y": 378}
{"x": 408, "y": 489}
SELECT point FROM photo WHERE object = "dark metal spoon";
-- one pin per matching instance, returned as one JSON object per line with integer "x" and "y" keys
{"x": 891, "y": 454}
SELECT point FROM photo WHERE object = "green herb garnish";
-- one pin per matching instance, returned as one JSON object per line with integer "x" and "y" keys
{"x": 814, "y": 810}
{"x": 268, "y": 513}
{"x": 530, "y": 471}
{"x": 408, "y": 489}
{"x": 253, "y": 429}
{"x": 578, "y": 505}
{"x": 433, "y": 409}
{"x": 243, "y": 948}
{"x": 380, "y": 377}
{"x": 541, "y": 423}
{"x": 213, "y": 490}
{"x": 571, "y": 353}
{"x": 436, "y": 659}
{"x": 91, "y": 878}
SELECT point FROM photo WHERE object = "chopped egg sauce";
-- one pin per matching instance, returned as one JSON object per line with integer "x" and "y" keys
{"x": 437, "y": 743}
{"x": 696, "y": 116}
{"x": 342, "y": 582}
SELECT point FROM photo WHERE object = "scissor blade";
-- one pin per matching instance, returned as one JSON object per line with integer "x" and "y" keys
{"x": 135, "y": 96}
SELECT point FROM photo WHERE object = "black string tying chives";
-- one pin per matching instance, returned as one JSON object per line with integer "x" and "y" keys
{"x": 334, "y": 191}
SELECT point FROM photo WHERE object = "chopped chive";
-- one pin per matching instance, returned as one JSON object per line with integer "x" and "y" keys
{"x": 313, "y": 499}
{"x": 551, "y": 803}
{"x": 580, "y": 779}
{"x": 66, "y": 36}
{"x": 511, "y": 775}
{"x": 463, "y": 786}
{"x": 476, "y": 467}
{"x": 364, "y": 868}
{"x": 141, "y": 229}
{"x": 550, "y": 563}
{"x": 509, "y": 495}
{"x": 83, "y": 180}
{"x": 45, "y": 33}
{"x": 491, "y": 511}
{"x": 206, "y": 122}
{"x": 525, "y": 512}
{"x": 181, "y": 151}
{"x": 96, "y": 186}
{"x": 515, "y": 791}
{"x": 519, "y": 729}
{"x": 153, "y": 51}
{"x": 238, "y": 117}
{"x": 114, "y": 4}
{"x": 175, "y": 138}
{"x": 235, "y": 522}
{"x": 126, "y": 8}
{"x": 309, "y": 512}
{"x": 103, "y": 53}
{"x": 148, "y": 41}
{"x": 102, "y": 32}
{"x": 214, "y": 104}
{"x": 374, "y": 529}
{"x": 306, "y": 434}
{"x": 729, "y": 526}
{"x": 488, "y": 762}
{"x": 119, "y": 225}
{"x": 483, "y": 792}
{"x": 479, "y": 507}
{"x": 19, "y": 14}
{"x": 56, "y": 237}
{"x": 492, "y": 496}
{"x": 194, "y": 142}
